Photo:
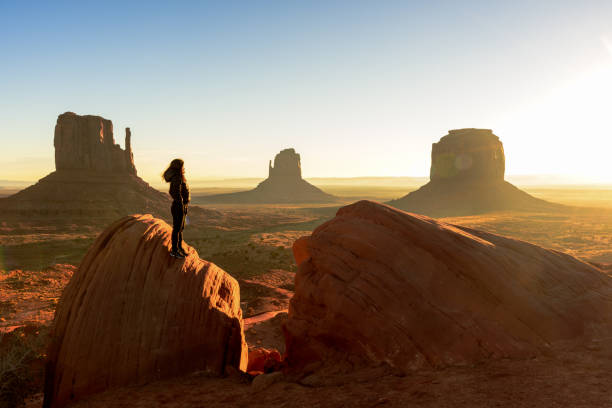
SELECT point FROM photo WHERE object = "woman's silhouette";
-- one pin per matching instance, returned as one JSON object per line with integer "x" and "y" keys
{"x": 179, "y": 191}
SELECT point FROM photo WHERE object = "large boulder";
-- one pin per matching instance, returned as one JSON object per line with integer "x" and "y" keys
{"x": 379, "y": 285}
{"x": 283, "y": 185}
{"x": 132, "y": 314}
{"x": 467, "y": 177}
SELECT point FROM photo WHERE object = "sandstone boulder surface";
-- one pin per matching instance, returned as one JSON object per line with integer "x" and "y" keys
{"x": 132, "y": 314}
{"x": 376, "y": 285}
{"x": 283, "y": 185}
{"x": 467, "y": 177}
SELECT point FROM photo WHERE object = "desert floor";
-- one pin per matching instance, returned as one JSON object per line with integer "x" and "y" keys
{"x": 253, "y": 244}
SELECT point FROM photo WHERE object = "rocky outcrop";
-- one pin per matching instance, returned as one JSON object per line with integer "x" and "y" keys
{"x": 95, "y": 180}
{"x": 87, "y": 143}
{"x": 132, "y": 314}
{"x": 467, "y": 177}
{"x": 376, "y": 285}
{"x": 283, "y": 185}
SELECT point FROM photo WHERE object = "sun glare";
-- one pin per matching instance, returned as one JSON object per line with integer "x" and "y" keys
{"x": 573, "y": 123}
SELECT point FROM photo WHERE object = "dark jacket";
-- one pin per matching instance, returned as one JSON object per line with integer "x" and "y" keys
{"x": 179, "y": 190}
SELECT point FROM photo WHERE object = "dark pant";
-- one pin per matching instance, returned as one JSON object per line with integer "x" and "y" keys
{"x": 178, "y": 223}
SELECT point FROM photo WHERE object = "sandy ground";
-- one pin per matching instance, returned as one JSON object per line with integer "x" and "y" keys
{"x": 576, "y": 378}
{"x": 30, "y": 297}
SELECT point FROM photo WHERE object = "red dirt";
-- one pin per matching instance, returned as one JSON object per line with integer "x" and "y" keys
{"x": 579, "y": 378}
{"x": 28, "y": 297}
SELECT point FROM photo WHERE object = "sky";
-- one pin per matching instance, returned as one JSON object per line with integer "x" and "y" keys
{"x": 358, "y": 88}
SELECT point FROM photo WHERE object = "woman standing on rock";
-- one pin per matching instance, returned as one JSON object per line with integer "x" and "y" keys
{"x": 179, "y": 191}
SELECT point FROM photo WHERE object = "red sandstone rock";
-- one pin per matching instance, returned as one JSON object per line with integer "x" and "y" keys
{"x": 87, "y": 143}
{"x": 132, "y": 314}
{"x": 263, "y": 360}
{"x": 378, "y": 285}
{"x": 468, "y": 154}
{"x": 287, "y": 165}
{"x": 467, "y": 177}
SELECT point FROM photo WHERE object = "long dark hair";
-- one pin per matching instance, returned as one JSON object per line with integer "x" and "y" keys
{"x": 176, "y": 166}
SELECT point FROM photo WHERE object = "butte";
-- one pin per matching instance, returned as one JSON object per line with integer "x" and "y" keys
{"x": 283, "y": 185}
{"x": 467, "y": 177}
{"x": 94, "y": 178}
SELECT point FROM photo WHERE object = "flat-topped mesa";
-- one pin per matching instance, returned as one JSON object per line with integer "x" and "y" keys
{"x": 286, "y": 165}
{"x": 468, "y": 154}
{"x": 87, "y": 143}
{"x": 467, "y": 177}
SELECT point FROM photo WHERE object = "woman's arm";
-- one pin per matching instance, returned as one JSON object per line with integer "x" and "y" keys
{"x": 175, "y": 189}
{"x": 185, "y": 193}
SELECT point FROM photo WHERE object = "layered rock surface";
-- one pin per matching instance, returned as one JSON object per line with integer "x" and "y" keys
{"x": 379, "y": 285}
{"x": 132, "y": 314}
{"x": 283, "y": 185}
{"x": 94, "y": 178}
{"x": 467, "y": 177}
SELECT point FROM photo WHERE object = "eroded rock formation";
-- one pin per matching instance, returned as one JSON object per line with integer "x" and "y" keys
{"x": 376, "y": 285}
{"x": 283, "y": 185}
{"x": 287, "y": 166}
{"x": 132, "y": 314}
{"x": 87, "y": 143}
{"x": 468, "y": 154}
{"x": 467, "y": 177}
{"x": 94, "y": 179}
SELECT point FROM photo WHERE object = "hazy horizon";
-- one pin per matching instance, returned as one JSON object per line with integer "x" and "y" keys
{"x": 357, "y": 88}
{"x": 246, "y": 181}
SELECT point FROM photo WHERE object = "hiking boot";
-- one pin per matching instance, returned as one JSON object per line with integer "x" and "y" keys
{"x": 177, "y": 254}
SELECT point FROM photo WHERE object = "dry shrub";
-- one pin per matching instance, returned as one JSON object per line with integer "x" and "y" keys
{"x": 21, "y": 364}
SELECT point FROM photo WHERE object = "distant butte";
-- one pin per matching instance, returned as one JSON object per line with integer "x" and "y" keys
{"x": 94, "y": 177}
{"x": 283, "y": 185}
{"x": 467, "y": 177}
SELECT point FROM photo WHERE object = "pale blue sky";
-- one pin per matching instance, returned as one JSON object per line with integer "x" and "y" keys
{"x": 359, "y": 88}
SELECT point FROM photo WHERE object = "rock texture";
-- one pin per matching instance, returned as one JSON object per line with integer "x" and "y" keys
{"x": 132, "y": 314}
{"x": 283, "y": 185}
{"x": 376, "y": 285}
{"x": 467, "y": 177}
{"x": 95, "y": 180}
